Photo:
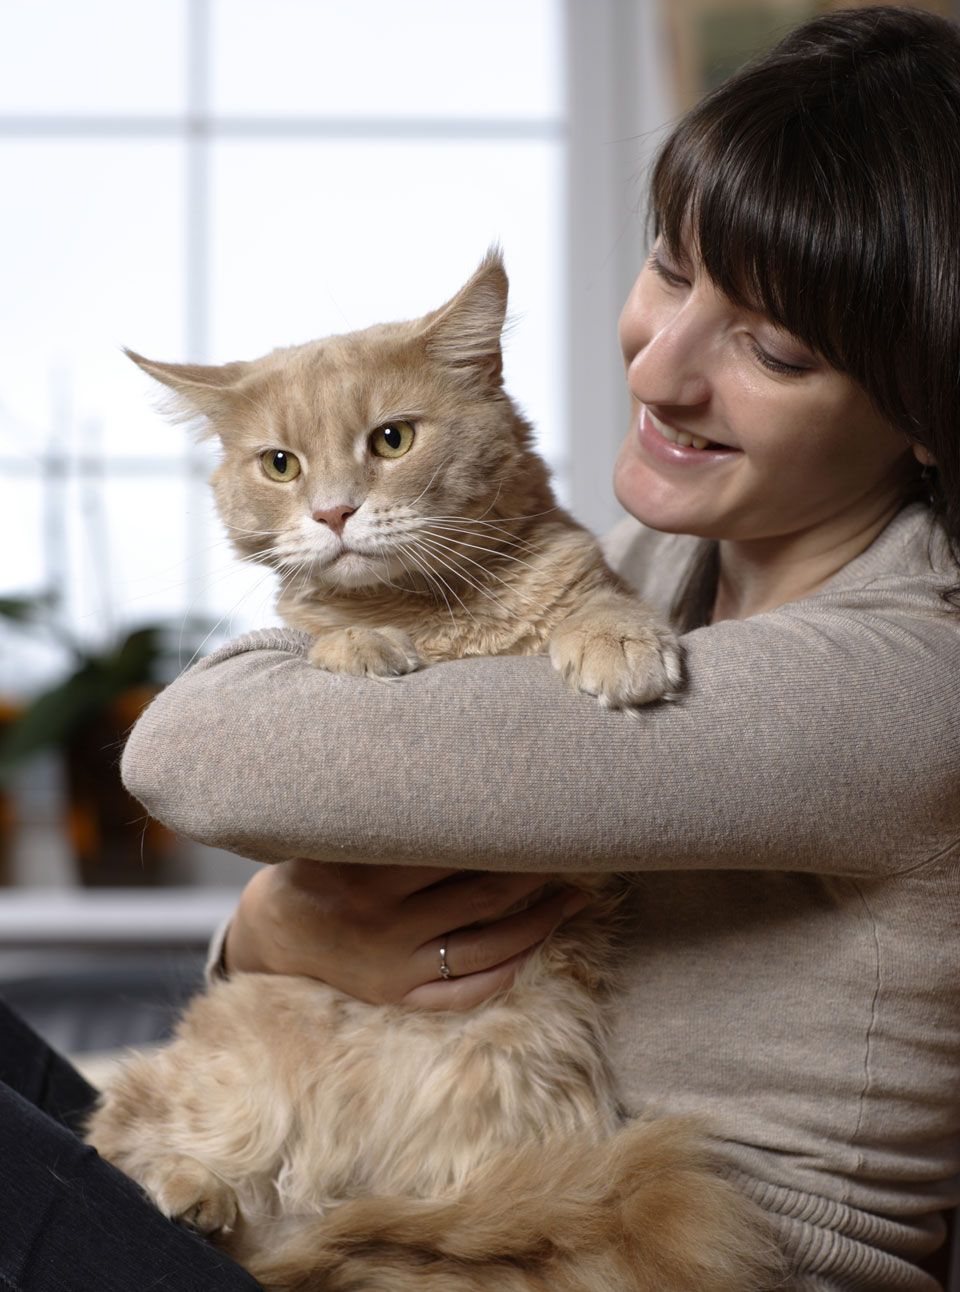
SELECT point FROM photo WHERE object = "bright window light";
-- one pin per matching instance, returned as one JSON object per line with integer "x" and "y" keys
{"x": 208, "y": 179}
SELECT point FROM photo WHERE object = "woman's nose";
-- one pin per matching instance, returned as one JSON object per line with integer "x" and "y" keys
{"x": 667, "y": 356}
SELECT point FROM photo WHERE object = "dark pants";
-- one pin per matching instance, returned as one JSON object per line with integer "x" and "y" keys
{"x": 70, "y": 1222}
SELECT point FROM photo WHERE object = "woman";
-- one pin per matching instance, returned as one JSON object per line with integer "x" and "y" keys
{"x": 796, "y": 913}
{"x": 792, "y": 820}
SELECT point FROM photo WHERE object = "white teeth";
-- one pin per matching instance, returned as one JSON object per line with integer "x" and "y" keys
{"x": 683, "y": 438}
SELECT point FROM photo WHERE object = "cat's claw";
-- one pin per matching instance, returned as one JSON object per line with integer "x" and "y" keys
{"x": 373, "y": 652}
{"x": 622, "y": 663}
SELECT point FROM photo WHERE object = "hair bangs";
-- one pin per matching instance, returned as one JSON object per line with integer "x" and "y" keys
{"x": 762, "y": 199}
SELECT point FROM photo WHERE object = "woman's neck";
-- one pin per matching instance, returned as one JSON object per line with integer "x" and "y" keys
{"x": 762, "y": 574}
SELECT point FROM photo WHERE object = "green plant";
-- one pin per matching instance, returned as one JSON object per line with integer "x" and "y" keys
{"x": 142, "y": 657}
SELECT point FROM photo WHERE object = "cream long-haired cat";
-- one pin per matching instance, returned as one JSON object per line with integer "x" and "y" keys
{"x": 331, "y": 1144}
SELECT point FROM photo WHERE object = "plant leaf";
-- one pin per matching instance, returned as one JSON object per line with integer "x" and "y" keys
{"x": 24, "y": 610}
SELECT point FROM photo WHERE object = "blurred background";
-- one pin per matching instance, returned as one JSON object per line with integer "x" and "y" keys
{"x": 205, "y": 180}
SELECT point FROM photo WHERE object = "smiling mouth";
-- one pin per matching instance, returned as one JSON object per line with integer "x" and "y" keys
{"x": 684, "y": 439}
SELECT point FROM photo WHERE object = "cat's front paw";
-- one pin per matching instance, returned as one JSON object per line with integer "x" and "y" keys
{"x": 184, "y": 1189}
{"x": 622, "y": 658}
{"x": 374, "y": 652}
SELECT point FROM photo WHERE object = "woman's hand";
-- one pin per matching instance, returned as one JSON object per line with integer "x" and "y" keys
{"x": 375, "y": 932}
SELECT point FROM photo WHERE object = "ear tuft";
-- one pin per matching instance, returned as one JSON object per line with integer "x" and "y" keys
{"x": 465, "y": 333}
{"x": 197, "y": 390}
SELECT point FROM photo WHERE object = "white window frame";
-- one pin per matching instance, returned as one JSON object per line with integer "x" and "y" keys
{"x": 613, "y": 103}
{"x": 617, "y": 106}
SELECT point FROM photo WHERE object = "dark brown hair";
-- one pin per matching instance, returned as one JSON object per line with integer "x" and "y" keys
{"x": 820, "y": 185}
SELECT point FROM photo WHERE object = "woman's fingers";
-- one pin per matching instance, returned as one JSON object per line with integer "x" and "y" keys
{"x": 475, "y": 951}
{"x": 385, "y": 881}
{"x": 401, "y": 881}
{"x": 473, "y": 988}
{"x": 375, "y": 932}
{"x": 464, "y": 993}
{"x": 466, "y": 899}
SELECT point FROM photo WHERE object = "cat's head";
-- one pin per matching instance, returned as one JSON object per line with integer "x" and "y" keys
{"x": 346, "y": 457}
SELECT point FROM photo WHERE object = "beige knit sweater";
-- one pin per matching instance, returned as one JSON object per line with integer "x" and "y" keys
{"x": 793, "y": 822}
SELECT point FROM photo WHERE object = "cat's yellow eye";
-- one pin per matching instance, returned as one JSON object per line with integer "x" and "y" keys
{"x": 392, "y": 440}
{"x": 280, "y": 465}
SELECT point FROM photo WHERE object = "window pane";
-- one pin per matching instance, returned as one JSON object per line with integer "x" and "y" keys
{"x": 91, "y": 259}
{"x": 127, "y": 553}
{"x": 371, "y": 232}
{"x": 22, "y": 531}
{"x": 419, "y": 58}
{"x": 94, "y": 56}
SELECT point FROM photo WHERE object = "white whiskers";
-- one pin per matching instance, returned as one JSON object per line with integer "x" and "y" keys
{"x": 433, "y": 578}
{"x": 447, "y": 536}
{"x": 227, "y": 615}
{"x": 452, "y": 560}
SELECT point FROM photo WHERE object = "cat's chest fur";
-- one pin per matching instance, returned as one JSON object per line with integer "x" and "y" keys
{"x": 508, "y": 607}
{"x": 436, "y": 638}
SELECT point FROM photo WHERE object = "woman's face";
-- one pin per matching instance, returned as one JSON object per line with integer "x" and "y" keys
{"x": 793, "y": 444}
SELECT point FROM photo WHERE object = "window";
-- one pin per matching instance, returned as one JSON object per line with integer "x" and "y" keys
{"x": 208, "y": 179}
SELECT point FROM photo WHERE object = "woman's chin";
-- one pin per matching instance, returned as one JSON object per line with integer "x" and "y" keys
{"x": 664, "y": 502}
{"x": 642, "y": 493}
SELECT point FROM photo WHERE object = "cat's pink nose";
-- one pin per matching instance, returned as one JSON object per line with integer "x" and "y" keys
{"x": 335, "y": 517}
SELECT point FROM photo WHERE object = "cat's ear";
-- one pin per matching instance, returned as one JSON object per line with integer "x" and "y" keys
{"x": 198, "y": 390}
{"x": 464, "y": 334}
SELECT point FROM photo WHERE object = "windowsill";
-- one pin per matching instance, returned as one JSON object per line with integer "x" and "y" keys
{"x": 111, "y": 917}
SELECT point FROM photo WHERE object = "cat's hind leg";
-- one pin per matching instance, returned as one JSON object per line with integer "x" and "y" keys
{"x": 155, "y": 1130}
{"x": 194, "y": 1125}
{"x": 184, "y": 1189}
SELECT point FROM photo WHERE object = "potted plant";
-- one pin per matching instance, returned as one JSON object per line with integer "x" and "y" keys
{"x": 86, "y": 716}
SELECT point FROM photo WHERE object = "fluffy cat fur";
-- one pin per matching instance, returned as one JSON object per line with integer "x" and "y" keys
{"x": 331, "y": 1144}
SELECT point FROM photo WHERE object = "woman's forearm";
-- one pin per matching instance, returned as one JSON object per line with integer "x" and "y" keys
{"x": 492, "y": 762}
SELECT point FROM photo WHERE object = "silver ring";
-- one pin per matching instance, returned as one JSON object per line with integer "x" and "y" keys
{"x": 444, "y": 967}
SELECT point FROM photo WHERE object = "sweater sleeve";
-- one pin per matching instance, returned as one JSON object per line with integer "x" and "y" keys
{"x": 819, "y": 737}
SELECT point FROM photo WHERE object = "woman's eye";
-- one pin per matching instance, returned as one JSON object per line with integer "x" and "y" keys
{"x": 668, "y": 276}
{"x": 280, "y": 465}
{"x": 776, "y": 365}
{"x": 392, "y": 440}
